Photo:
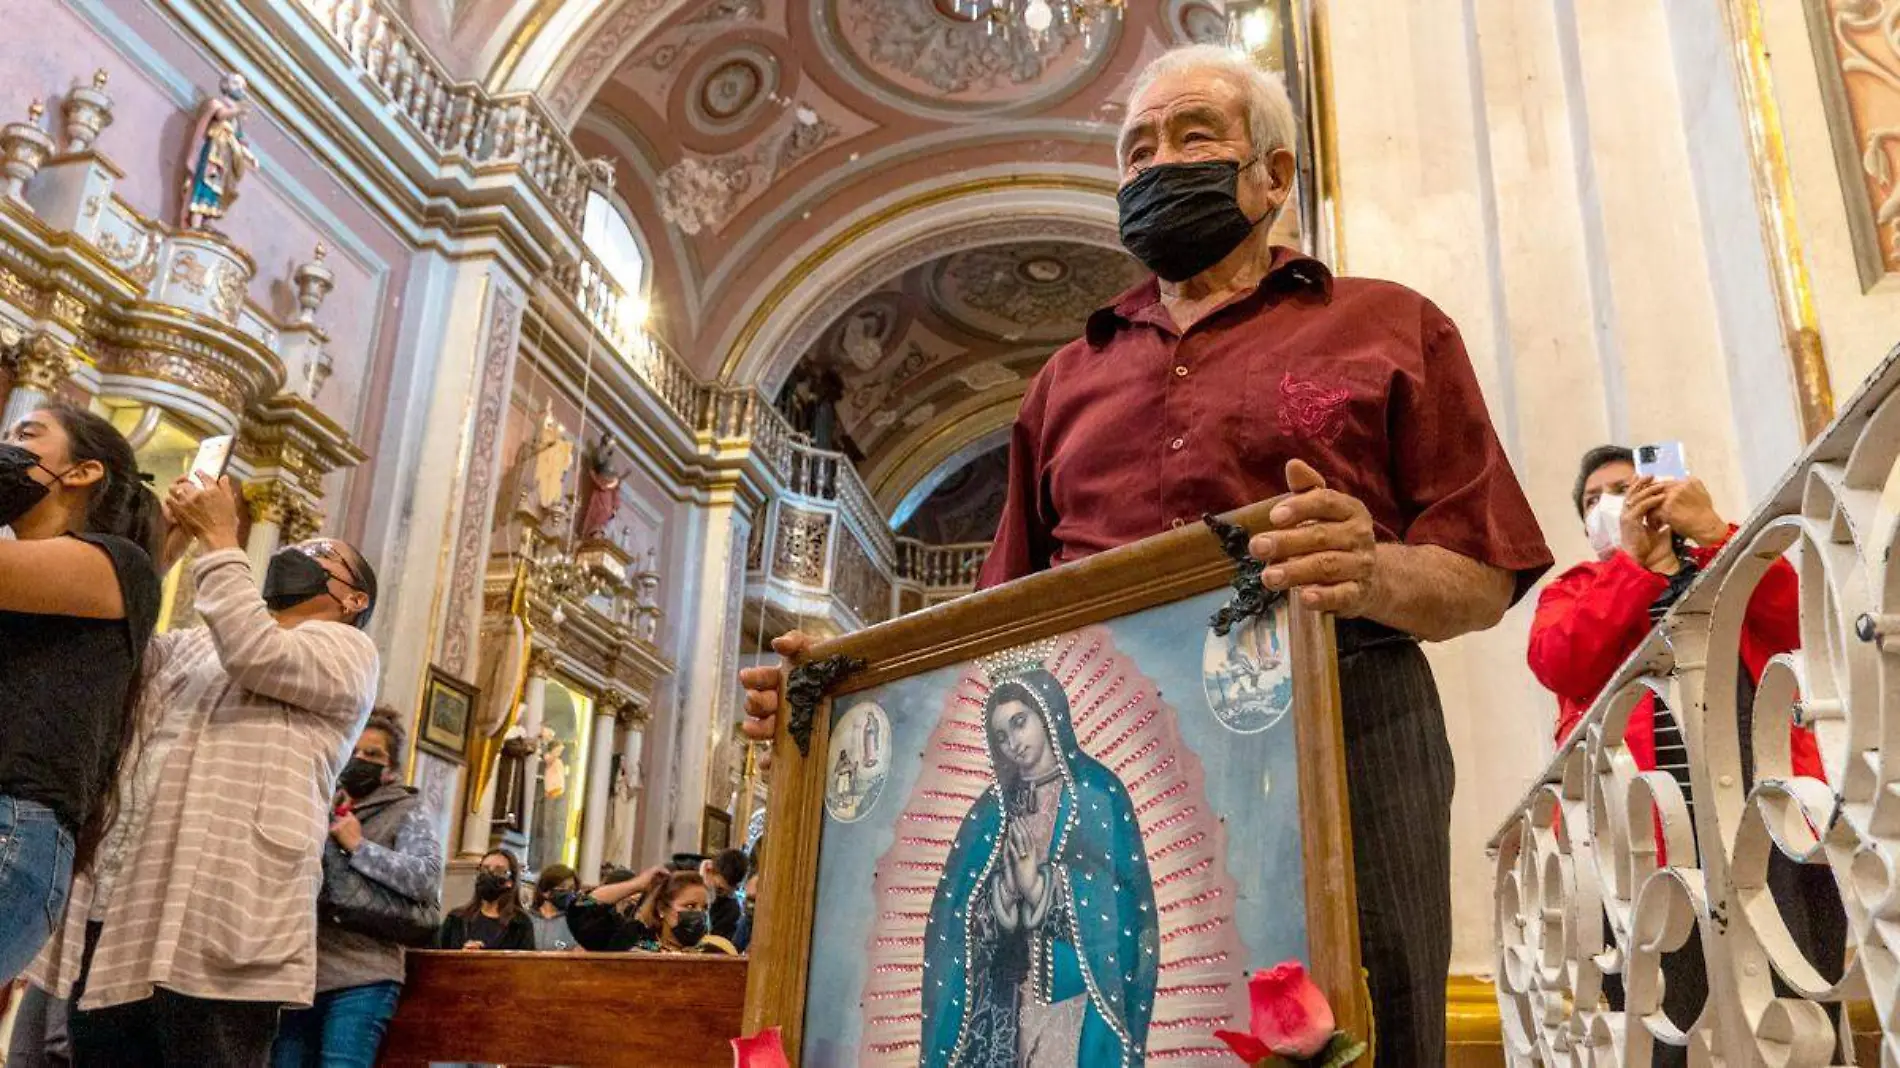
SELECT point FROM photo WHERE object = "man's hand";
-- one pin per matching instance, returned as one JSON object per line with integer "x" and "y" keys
{"x": 1322, "y": 545}
{"x": 1689, "y": 510}
{"x": 208, "y": 510}
{"x": 762, "y": 685}
{"x": 1644, "y": 535}
{"x": 348, "y": 831}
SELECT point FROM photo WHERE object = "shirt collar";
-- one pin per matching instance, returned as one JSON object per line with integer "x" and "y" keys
{"x": 1291, "y": 269}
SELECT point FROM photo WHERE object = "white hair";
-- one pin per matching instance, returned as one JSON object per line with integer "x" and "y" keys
{"x": 1270, "y": 123}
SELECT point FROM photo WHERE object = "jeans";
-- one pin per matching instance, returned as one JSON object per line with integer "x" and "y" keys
{"x": 36, "y": 872}
{"x": 342, "y": 1029}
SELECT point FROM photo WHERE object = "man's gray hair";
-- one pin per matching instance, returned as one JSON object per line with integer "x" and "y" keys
{"x": 1270, "y": 122}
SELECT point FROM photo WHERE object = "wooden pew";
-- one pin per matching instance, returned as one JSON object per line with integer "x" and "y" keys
{"x": 578, "y": 1009}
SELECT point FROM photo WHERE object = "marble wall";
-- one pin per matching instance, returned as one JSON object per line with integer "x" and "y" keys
{"x": 1570, "y": 182}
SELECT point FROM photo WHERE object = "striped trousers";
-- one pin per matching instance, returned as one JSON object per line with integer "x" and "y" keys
{"x": 1399, "y": 778}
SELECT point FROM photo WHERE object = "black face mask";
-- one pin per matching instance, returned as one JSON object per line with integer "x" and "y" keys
{"x": 293, "y": 578}
{"x": 491, "y": 887}
{"x": 19, "y": 490}
{"x": 1182, "y": 218}
{"x": 360, "y": 778}
{"x": 690, "y": 928}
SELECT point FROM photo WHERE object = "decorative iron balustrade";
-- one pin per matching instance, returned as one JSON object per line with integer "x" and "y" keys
{"x": 1587, "y": 904}
{"x": 458, "y": 119}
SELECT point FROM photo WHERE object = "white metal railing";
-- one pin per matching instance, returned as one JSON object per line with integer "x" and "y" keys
{"x": 1581, "y": 895}
{"x": 459, "y": 119}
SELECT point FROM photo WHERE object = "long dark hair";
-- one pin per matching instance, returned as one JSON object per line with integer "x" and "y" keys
{"x": 510, "y": 902}
{"x": 119, "y": 505}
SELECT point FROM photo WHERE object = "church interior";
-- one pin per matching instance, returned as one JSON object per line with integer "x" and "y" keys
{"x": 624, "y": 336}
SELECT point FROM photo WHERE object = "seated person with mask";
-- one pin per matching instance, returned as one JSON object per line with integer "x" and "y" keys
{"x": 615, "y": 917}
{"x": 210, "y": 877}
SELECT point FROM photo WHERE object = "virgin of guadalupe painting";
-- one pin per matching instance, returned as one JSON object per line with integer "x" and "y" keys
{"x": 1041, "y": 945}
{"x": 1089, "y": 819}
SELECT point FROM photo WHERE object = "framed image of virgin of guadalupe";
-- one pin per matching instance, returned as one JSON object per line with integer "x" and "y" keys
{"x": 1059, "y": 823}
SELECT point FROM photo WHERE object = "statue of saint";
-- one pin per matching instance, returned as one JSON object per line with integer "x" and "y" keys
{"x": 604, "y": 475}
{"x": 219, "y": 157}
{"x": 550, "y": 454}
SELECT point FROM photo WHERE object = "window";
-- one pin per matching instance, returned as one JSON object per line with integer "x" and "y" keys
{"x": 606, "y": 233}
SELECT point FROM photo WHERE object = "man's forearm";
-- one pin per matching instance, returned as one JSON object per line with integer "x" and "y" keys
{"x": 1434, "y": 593}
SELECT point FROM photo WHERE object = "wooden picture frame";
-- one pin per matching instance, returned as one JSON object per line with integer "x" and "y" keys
{"x": 715, "y": 831}
{"x": 1181, "y": 568}
{"x": 448, "y": 708}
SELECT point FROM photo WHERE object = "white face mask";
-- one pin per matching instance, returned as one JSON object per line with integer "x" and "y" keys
{"x": 1604, "y": 524}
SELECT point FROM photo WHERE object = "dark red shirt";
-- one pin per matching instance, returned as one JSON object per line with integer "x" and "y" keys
{"x": 1137, "y": 427}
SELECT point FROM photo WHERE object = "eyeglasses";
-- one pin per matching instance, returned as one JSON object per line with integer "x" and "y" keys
{"x": 323, "y": 550}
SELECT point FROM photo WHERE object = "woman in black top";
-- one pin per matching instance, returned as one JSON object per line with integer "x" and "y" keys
{"x": 493, "y": 918}
{"x": 79, "y": 596}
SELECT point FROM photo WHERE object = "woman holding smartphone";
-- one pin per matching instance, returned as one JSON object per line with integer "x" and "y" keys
{"x": 77, "y": 587}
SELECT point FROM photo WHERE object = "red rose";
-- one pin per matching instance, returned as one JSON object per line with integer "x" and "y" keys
{"x": 763, "y": 1050}
{"x": 1291, "y": 1018}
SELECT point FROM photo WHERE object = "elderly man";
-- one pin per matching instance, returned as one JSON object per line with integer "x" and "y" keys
{"x": 199, "y": 920}
{"x": 1244, "y": 371}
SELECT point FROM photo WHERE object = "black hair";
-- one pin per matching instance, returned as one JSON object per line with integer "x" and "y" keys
{"x": 364, "y": 580}
{"x": 119, "y": 505}
{"x": 389, "y": 721}
{"x": 1593, "y": 461}
{"x": 730, "y": 866}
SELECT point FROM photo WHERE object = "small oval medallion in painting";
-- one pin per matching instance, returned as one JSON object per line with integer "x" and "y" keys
{"x": 857, "y": 762}
{"x": 1249, "y": 674}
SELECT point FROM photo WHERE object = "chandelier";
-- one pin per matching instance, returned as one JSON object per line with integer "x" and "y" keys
{"x": 1044, "y": 25}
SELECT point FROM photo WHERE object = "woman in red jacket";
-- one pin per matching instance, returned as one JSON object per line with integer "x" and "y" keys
{"x": 1593, "y": 616}
{"x": 1650, "y": 539}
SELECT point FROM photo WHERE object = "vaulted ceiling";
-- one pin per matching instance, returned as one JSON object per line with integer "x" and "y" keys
{"x": 882, "y": 187}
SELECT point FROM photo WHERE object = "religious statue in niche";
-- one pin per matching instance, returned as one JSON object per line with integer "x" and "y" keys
{"x": 219, "y": 158}
{"x": 605, "y": 473}
{"x": 545, "y": 459}
{"x": 553, "y": 765}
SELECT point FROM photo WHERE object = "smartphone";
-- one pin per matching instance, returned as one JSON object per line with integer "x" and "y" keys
{"x": 1662, "y": 461}
{"x": 214, "y": 454}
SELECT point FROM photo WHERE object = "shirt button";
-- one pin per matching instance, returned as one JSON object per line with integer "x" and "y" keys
{"x": 1181, "y": 371}
{"x": 1177, "y": 444}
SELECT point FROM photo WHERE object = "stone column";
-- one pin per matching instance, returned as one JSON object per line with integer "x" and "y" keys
{"x": 534, "y": 703}
{"x": 433, "y": 484}
{"x": 600, "y": 759}
{"x": 626, "y": 810}
{"x": 534, "y": 698}
{"x": 708, "y": 639}
{"x": 271, "y": 503}
{"x": 43, "y": 365}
